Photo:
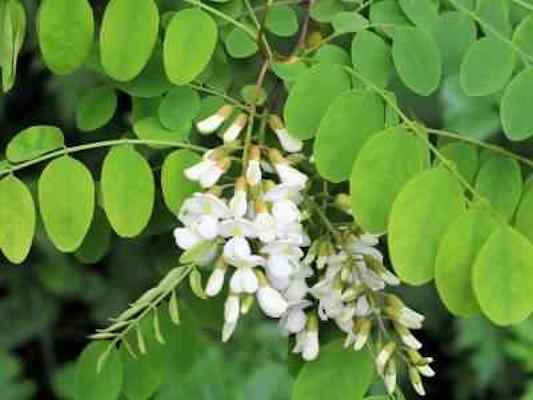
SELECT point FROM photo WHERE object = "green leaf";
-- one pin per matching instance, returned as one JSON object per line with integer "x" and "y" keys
{"x": 500, "y": 182}
{"x": 454, "y": 32}
{"x": 175, "y": 185}
{"x": 371, "y": 57}
{"x": 189, "y": 44}
{"x": 420, "y": 216}
{"x": 346, "y": 22}
{"x": 97, "y": 241}
{"x": 17, "y": 219}
{"x": 128, "y": 190}
{"x": 179, "y": 107}
{"x": 310, "y": 97}
{"x": 524, "y": 214}
{"x": 388, "y": 12}
{"x": 338, "y": 374}
{"x": 523, "y": 36}
{"x": 239, "y": 44}
{"x": 66, "y": 31}
{"x": 141, "y": 379}
{"x": 13, "y": 31}
{"x": 379, "y": 174}
{"x": 465, "y": 158}
{"x": 495, "y": 16}
{"x": 66, "y": 200}
{"x": 332, "y": 54}
{"x": 91, "y": 385}
{"x": 34, "y": 142}
{"x": 281, "y": 20}
{"x": 423, "y": 13}
{"x": 517, "y": 122}
{"x": 96, "y": 108}
{"x": 503, "y": 277}
{"x": 150, "y": 128}
{"x": 487, "y": 66}
{"x": 127, "y": 37}
{"x": 325, "y": 10}
{"x": 417, "y": 59}
{"x": 457, "y": 252}
{"x": 348, "y": 123}
{"x": 290, "y": 70}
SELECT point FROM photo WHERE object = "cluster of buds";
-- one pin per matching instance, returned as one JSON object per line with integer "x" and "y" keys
{"x": 251, "y": 231}
{"x": 351, "y": 291}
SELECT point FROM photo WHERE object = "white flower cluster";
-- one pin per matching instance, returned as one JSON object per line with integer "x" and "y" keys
{"x": 255, "y": 234}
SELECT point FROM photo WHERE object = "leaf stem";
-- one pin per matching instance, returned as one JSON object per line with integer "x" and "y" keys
{"x": 95, "y": 145}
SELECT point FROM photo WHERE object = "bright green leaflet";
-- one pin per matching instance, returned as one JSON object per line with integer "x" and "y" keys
{"x": 338, "y": 374}
{"x": 456, "y": 256}
{"x": 500, "y": 182}
{"x": 494, "y": 13}
{"x": 371, "y": 57}
{"x": 239, "y": 44}
{"x": 515, "y": 107}
{"x": 282, "y": 20}
{"x": 325, "y": 10}
{"x": 487, "y": 66}
{"x": 179, "y": 107}
{"x": 330, "y": 53}
{"x": 417, "y": 59}
{"x": 379, "y": 173}
{"x": 96, "y": 108}
{"x": 423, "y": 13}
{"x": 141, "y": 380}
{"x": 503, "y": 277}
{"x": 310, "y": 97}
{"x": 524, "y": 214}
{"x": 289, "y": 71}
{"x": 150, "y": 128}
{"x": 346, "y": 22}
{"x": 190, "y": 41}
{"x": 34, "y": 142}
{"x": 97, "y": 241}
{"x": 127, "y": 37}
{"x": 348, "y": 123}
{"x": 12, "y": 33}
{"x": 523, "y": 36}
{"x": 454, "y": 32}
{"x": 464, "y": 156}
{"x": 128, "y": 190}
{"x": 17, "y": 219}
{"x": 66, "y": 200}
{"x": 66, "y": 31}
{"x": 176, "y": 187}
{"x": 388, "y": 12}
{"x": 91, "y": 385}
{"x": 420, "y": 216}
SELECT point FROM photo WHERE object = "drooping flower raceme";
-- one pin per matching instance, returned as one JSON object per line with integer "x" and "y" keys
{"x": 252, "y": 232}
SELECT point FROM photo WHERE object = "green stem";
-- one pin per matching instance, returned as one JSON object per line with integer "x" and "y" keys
{"x": 95, "y": 145}
{"x": 488, "y": 146}
{"x": 522, "y": 3}
{"x": 214, "y": 92}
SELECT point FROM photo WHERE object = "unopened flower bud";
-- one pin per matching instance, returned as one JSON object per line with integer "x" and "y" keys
{"x": 235, "y": 129}
{"x": 253, "y": 171}
{"x": 288, "y": 142}
{"x": 213, "y": 122}
{"x": 390, "y": 377}
{"x": 216, "y": 280}
{"x": 362, "y": 332}
{"x": 288, "y": 175}
{"x": 247, "y": 303}
{"x": 416, "y": 381}
{"x": 343, "y": 202}
{"x": 407, "y": 337}
{"x": 384, "y": 356}
{"x": 239, "y": 202}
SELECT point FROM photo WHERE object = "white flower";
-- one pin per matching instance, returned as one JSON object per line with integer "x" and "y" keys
{"x": 384, "y": 356}
{"x": 331, "y": 304}
{"x": 362, "y": 306}
{"x": 265, "y": 225}
{"x": 390, "y": 377}
{"x": 288, "y": 142}
{"x": 286, "y": 212}
{"x": 239, "y": 202}
{"x": 253, "y": 170}
{"x": 208, "y": 171}
{"x": 295, "y": 319}
{"x": 238, "y": 227}
{"x": 215, "y": 282}
{"x": 186, "y": 238}
{"x": 271, "y": 302}
{"x": 213, "y": 122}
{"x": 232, "y": 308}
{"x": 307, "y": 343}
{"x": 235, "y": 129}
{"x": 284, "y": 192}
{"x": 203, "y": 205}
{"x": 244, "y": 280}
{"x": 287, "y": 174}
